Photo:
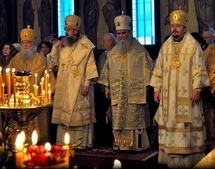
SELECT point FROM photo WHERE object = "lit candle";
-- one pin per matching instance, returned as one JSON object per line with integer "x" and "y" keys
{"x": 3, "y": 92}
{"x": 35, "y": 79}
{"x": 49, "y": 96}
{"x": 33, "y": 148}
{"x": 43, "y": 97}
{"x": 14, "y": 84}
{"x": 19, "y": 148}
{"x": 36, "y": 90}
{"x": 47, "y": 76}
{"x": 46, "y": 81}
{"x": 49, "y": 92}
{"x": 0, "y": 82}
{"x": 47, "y": 153}
{"x": 43, "y": 94}
{"x": 48, "y": 87}
{"x": 8, "y": 83}
{"x": 41, "y": 85}
{"x": 66, "y": 147}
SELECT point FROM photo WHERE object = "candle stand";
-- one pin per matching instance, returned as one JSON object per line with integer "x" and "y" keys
{"x": 22, "y": 103}
{"x": 22, "y": 99}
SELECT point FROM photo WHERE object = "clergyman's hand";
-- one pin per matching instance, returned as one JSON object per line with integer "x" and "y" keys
{"x": 107, "y": 93}
{"x": 85, "y": 90}
{"x": 157, "y": 96}
{"x": 58, "y": 43}
{"x": 195, "y": 96}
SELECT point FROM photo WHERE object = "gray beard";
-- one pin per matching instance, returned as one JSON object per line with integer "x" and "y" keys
{"x": 27, "y": 54}
{"x": 123, "y": 46}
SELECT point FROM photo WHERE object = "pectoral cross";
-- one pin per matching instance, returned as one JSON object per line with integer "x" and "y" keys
{"x": 175, "y": 63}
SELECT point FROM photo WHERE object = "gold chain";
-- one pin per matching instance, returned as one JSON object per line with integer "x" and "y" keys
{"x": 70, "y": 52}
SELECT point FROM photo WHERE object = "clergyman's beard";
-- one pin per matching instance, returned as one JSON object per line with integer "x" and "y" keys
{"x": 27, "y": 54}
{"x": 69, "y": 41}
{"x": 175, "y": 36}
{"x": 123, "y": 45}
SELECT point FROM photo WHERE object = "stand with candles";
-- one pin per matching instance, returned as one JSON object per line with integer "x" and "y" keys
{"x": 21, "y": 104}
{"x": 20, "y": 93}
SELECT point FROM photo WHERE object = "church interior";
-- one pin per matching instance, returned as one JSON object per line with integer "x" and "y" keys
{"x": 17, "y": 14}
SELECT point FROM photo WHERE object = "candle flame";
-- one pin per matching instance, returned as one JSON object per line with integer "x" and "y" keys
{"x": 67, "y": 138}
{"x": 23, "y": 135}
{"x": 20, "y": 141}
{"x": 36, "y": 75}
{"x": 34, "y": 137}
{"x": 117, "y": 164}
{"x": 7, "y": 70}
{"x": 0, "y": 68}
{"x": 13, "y": 70}
{"x": 47, "y": 146}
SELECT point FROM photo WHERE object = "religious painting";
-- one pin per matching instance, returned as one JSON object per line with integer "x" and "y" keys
{"x": 38, "y": 14}
{"x": 98, "y": 18}
{"x": 205, "y": 13}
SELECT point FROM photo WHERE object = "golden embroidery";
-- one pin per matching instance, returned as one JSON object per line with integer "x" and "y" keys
{"x": 119, "y": 58}
{"x": 123, "y": 143}
{"x": 136, "y": 54}
{"x": 84, "y": 46}
{"x": 122, "y": 59}
{"x": 75, "y": 71}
